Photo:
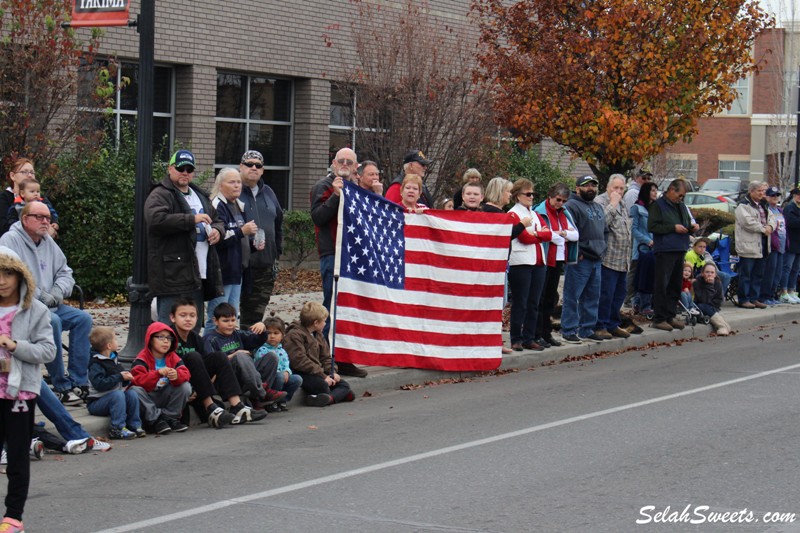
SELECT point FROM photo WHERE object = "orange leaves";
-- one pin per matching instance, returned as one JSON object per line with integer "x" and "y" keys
{"x": 616, "y": 80}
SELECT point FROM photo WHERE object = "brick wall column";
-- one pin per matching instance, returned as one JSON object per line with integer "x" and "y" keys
{"x": 311, "y": 138}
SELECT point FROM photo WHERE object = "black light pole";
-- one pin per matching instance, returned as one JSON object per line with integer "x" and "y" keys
{"x": 137, "y": 284}
{"x": 797, "y": 137}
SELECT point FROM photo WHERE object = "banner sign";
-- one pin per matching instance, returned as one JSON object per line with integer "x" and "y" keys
{"x": 100, "y": 13}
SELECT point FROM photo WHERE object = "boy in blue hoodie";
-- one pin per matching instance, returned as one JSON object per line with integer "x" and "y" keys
{"x": 109, "y": 387}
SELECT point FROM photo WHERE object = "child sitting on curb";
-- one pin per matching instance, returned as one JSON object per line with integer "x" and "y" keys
{"x": 110, "y": 393}
{"x": 708, "y": 296}
{"x": 284, "y": 380}
{"x": 162, "y": 380}
{"x": 310, "y": 357}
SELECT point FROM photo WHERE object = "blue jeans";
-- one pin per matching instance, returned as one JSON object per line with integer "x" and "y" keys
{"x": 79, "y": 325}
{"x": 686, "y": 299}
{"x": 751, "y": 273}
{"x": 233, "y": 294}
{"x": 121, "y": 405}
{"x": 613, "y": 287}
{"x": 773, "y": 268}
{"x": 791, "y": 268}
{"x": 55, "y": 412}
{"x": 725, "y": 278}
{"x": 326, "y": 270}
{"x": 581, "y": 297}
{"x": 164, "y": 306}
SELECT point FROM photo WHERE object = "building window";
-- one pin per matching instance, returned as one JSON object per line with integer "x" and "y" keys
{"x": 347, "y": 131}
{"x": 126, "y": 103}
{"x": 741, "y": 106}
{"x": 255, "y": 113}
{"x": 684, "y": 166}
{"x": 734, "y": 169}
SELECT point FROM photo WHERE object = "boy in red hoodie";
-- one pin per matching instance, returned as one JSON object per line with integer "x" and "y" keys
{"x": 163, "y": 378}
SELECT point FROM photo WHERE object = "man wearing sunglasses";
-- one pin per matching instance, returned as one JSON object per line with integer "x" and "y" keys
{"x": 262, "y": 207}
{"x": 182, "y": 229}
{"x": 30, "y": 239}
{"x": 324, "y": 211}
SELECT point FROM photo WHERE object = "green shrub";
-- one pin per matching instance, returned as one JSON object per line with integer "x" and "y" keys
{"x": 299, "y": 240}
{"x": 711, "y": 220}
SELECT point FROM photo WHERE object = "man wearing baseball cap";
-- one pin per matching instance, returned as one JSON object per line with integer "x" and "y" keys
{"x": 182, "y": 228}
{"x": 773, "y": 265}
{"x": 582, "y": 279}
{"x": 414, "y": 162}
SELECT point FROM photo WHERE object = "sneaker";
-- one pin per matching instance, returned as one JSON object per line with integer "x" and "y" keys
{"x": 571, "y": 339}
{"x": 604, "y": 334}
{"x": 786, "y": 298}
{"x": 140, "y": 433}
{"x": 319, "y": 400}
{"x": 121, "y": 433}
{"x": 81, "y": 392}
{"x": 37, "y": 448}
{"x": 9, "y": 525}
{"x": 3, "y": 458}
{"x": 272, "y": 408}
{"x": 161, "y": 427}
{"x": 274, "y": 396}
{"x": 176, "y": 425}
{"x": 694, "y": 311}
{"x": 243, "y": 413}
{"x": 593, "y": 337}
{"x": 664, "y": 326}
{"x": 76, "y": 446}
{"x": 620, "y": 333}
{"x": 282, "y": 406}
{"x": 97, "y": 445}
{"x": 552, "y": 342}
{"x": 218, "y": 417}
{"x": 67, "y": 397}
{"x": 794, "y": 297}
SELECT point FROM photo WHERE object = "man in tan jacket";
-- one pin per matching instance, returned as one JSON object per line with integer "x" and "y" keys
{"x": 754, "y": 224}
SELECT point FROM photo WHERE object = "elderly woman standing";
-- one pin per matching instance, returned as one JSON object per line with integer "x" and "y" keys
{"x": 754, "y": 225}
{"x": 527, "y": 269}
{"x": 234, "y": 247}
{"x": 563, "y": 249}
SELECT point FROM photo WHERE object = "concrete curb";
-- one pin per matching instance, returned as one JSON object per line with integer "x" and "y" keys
{"x": 383, "y": 379}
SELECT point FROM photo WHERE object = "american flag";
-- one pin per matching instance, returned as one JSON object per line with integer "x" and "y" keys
{"x": 418, "y": 290}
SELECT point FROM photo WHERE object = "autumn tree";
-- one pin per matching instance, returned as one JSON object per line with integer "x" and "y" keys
{"x": 39, "y": 71}
{"x": 616, "y": 81}
{"x": 414, "y": 89}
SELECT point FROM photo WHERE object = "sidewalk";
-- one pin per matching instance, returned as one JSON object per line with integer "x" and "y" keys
{"x": 383, "y": 379}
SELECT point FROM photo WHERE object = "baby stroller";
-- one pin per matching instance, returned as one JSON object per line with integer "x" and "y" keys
{"x": 692, "y": 314}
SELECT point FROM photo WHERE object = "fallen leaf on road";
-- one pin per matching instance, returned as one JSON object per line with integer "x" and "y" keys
{"x": 367, "y": 394}
{"x": 312, "y": 427}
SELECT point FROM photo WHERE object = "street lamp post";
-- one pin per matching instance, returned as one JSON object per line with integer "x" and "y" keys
{"x": 137, "y": 284}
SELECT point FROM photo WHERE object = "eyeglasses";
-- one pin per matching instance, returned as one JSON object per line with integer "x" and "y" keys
{"x": 163, "y": 337}
{"x": 185, "y": 169}
{"x": 528, "y": 194}
{"x": 41, "y": 218}
{"x": 560, "y": 200}
{"x": 27, "y": 172}
{"x": 346, "y": 162}
{"x": 250, "y": 164}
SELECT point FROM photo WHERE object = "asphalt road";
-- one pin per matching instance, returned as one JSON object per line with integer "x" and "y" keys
{"x": 573, "y": 447}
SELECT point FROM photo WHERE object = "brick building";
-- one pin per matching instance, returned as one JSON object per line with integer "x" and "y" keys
{"x": 755, "y": 139}
{"x": 252, "y": 74}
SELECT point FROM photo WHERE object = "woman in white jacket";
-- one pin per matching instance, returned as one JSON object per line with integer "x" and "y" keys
{"x": 526, "y": 273}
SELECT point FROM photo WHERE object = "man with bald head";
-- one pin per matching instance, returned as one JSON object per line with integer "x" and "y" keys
{"x": 30, "y": 239}
{"x": 325, "y": 197}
